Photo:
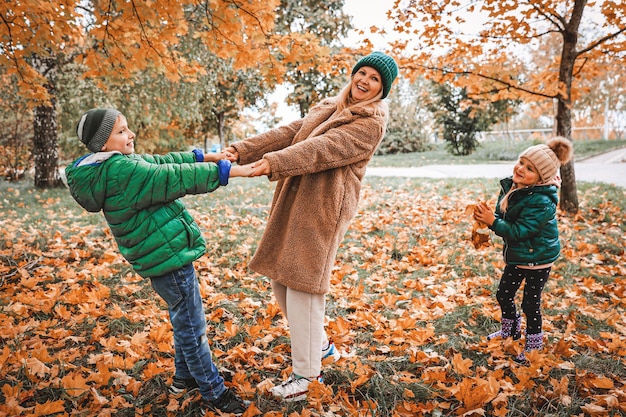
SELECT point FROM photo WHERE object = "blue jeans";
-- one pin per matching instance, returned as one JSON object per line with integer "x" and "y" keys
{"x": 192, "y": 359}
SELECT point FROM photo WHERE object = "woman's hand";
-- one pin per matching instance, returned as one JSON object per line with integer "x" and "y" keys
{"x": 260, "y": 167}
{"x": 483, "y": 213}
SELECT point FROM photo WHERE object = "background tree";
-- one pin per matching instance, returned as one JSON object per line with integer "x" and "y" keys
{"x": 500, "y": 56}
{"x": 15, "y": 123}
{"x": 115, "y": 40}
{"x": 461, "y": 118}
{"x": 315, "y": 80}
{"x": 233, "y": 91}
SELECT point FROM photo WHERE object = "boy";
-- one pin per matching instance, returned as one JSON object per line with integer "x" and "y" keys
{"x": 139, "y": 196}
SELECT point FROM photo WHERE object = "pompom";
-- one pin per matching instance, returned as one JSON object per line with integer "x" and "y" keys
{"x": 562, "y": 148}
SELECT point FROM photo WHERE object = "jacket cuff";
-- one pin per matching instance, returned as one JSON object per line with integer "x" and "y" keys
{"x": 223, "y": 169}
{"x": 199, "y": 155}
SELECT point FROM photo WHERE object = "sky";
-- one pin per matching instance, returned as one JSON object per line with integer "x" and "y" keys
{"x": 368, "y": 13}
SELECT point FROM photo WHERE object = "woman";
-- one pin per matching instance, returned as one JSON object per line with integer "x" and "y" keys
{"x": 318, "y": 162}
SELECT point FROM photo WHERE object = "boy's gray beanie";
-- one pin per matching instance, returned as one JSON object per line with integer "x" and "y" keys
{"x": 95, "y": 126}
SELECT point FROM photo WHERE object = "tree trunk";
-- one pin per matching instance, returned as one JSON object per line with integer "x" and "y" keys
{"x": 569, "y": 197}
{"x": 220, "y": 128}
{"x": 45, "y": 152}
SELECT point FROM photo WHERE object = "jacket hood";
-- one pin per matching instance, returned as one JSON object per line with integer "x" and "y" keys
{"x": 86, "y": 180}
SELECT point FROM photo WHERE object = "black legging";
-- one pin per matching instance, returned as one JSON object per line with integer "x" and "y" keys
{"x": 510, "y": 282}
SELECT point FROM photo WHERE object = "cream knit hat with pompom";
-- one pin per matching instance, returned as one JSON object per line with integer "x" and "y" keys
{"x": 548, "y": 158}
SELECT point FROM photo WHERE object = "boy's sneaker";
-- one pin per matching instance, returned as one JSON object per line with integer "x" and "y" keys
{"x": 295, "y": 388}
{"x": 331, "y": 351}
{"x": 228, "y": 402}
{"x": 180, "y": 385}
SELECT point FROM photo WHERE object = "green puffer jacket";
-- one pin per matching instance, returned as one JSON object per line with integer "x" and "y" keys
{"x": 138, "y": 195}
{"x": 529, "y": 226}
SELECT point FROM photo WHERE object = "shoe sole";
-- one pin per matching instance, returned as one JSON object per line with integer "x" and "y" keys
{"x": 178, "y": 391}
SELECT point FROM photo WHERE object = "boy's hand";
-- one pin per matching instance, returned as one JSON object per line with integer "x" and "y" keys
{"x": 241, "y": 170}
{"x": 214, "y": 157}
{"x": 233, "y": 152}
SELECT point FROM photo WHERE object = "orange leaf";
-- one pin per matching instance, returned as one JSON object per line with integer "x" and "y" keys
{"x": 74, "y": 384}
{"x": 462, "y": 366}
{"x": 594, "y": 410}
{"x": 599, "y": 382}
{"x": 36, "y": 367}
{"x": 50, "y": 407}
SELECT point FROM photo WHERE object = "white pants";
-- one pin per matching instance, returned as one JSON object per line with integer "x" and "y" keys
{"x": 305, "y": 315}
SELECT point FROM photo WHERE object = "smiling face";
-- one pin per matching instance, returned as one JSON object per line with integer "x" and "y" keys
{"x": 524, "y": 173}
{"x": 366, "y": 84}
{"x": 121, "y": 138}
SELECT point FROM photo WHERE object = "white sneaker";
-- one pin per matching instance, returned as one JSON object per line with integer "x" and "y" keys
{"x": 331, "y": 351}
{"x": 295, "y": 388}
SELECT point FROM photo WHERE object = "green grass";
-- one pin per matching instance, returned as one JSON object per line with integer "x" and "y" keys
{"x": 487, "y": 152}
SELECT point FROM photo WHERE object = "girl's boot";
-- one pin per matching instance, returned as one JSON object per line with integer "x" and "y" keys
{"x": 509, "y": 328}
{"x": 533, "y": 342}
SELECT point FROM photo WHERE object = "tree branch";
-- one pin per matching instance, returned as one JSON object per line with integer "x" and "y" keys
{"x": 601, "y": 41}
{"x": 505, "y": 84}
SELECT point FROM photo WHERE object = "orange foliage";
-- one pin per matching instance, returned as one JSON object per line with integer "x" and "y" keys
{"x": 76, "y": 323}
{"x": 115, "y": 39}
{"x": 514, "y": 50}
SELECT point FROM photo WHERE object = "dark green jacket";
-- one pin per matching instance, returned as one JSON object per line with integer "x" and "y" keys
{"x": 139, "y": 196}
{"x": 529, "y": 226}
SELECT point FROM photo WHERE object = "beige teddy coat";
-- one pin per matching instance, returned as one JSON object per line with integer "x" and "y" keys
{"x": 319, "y": 162}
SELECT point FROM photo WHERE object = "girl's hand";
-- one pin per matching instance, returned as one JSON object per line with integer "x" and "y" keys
{"x": 483, "y": 213}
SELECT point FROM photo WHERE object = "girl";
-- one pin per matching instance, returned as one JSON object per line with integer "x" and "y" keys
{"x": 525, "y": 218}
{"x": 318, "y": 163}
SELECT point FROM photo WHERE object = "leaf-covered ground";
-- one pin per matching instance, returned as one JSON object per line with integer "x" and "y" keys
{"x": 411, "y": 303}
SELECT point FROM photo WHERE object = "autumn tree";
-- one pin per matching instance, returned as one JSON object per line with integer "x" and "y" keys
{"x": 314, "y": 80}
{"x": 115, "y": 40}
{"x": 442, "y": 44}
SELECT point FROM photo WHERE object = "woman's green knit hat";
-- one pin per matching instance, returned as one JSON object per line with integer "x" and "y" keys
{"x": 384, "y": 64}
